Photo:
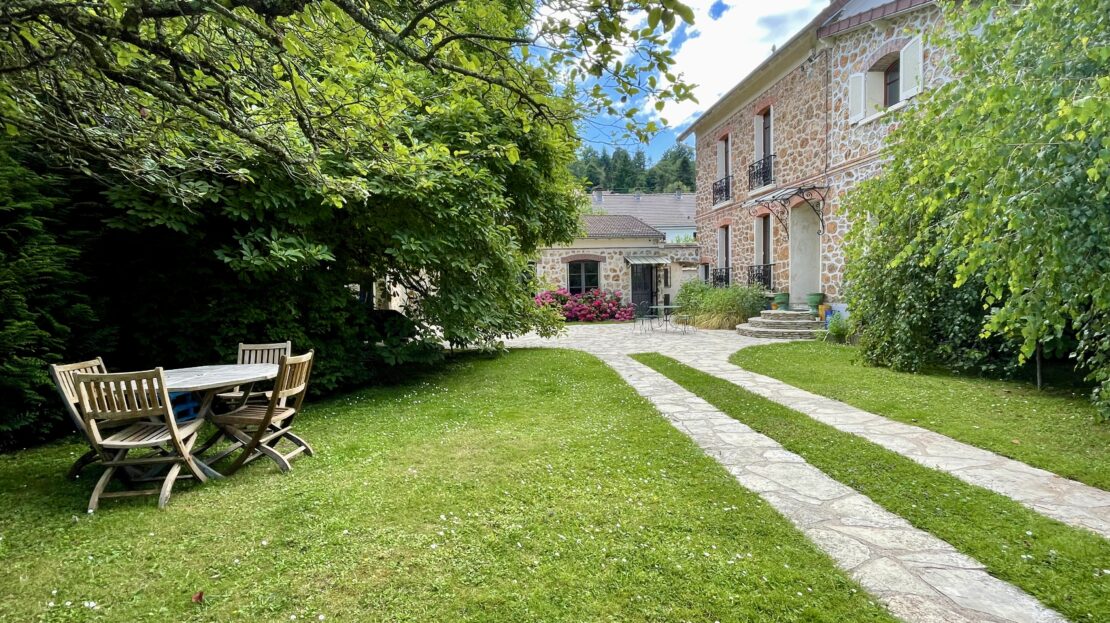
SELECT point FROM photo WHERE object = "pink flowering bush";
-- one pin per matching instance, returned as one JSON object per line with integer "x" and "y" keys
{"x": 590, "y": 306}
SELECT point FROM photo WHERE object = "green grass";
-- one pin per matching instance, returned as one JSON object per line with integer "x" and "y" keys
{"x": 535, "y": 486}
{"x": 1054, "y": 430}
{"x": 1060, "y": 565}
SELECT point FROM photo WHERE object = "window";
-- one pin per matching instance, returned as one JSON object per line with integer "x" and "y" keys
{"x": 722, "y": 158}
{"x": 892, "y": 79}
{"x": 763, "y": 242}
{"x": 722, "y": 188}
{"x": 761, "y": 170}
{"x": 582, "y": 277}
{"x": 667, "y": 277}
{"x": 892, "y": 94}
{"x": 724, "y": 255}
{"x": 764, "y": 135}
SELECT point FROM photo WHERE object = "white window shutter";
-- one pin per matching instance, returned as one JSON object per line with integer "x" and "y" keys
{"x": 874, "y": 92}
{"x": 722, "y": 158}
{"x": 757, "y": 125}
{"x": 912, "y": 68}
{"x": 856, "y": 106}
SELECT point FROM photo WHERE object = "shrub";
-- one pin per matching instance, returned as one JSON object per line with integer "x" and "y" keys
{"x": 838, "y": 329}
{"x": 591, "y": 306}
{"x": 719, "y": 308}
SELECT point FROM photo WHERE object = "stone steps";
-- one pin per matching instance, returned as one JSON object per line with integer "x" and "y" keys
{"x": 763, "y": 323}
{"x": 781, "y": 314}
{"x": 781, "y": 324}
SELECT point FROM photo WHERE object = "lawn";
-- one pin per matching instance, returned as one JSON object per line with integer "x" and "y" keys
{"x": 1051, "y": 429}
{"x": 1064, "y": 567}
{"x": 534, "y": 486}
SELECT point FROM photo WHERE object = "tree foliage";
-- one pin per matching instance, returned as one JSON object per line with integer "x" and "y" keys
{"x": 42, "y": 317}
{"x": 250, "y": 159}
{"x": 624, "y": 172}
{"x": 992, "y": 212}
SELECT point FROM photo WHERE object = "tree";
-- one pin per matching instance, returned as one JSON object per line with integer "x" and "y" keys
{"x": 40, "y": 317}
{"x": 1000, "y": 180}
{"x": 439, "y": 133}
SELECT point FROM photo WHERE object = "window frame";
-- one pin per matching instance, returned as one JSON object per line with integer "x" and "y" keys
{"x": 582, "y": 275}
{"x": 892, "y": 78}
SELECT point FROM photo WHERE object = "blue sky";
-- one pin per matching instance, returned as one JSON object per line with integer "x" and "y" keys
{"x": 727, "y": 41}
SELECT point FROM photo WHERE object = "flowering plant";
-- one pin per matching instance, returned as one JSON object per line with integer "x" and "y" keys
{"x": 590, "y": 306}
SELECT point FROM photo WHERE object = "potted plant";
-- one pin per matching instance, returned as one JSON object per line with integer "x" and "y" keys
{"x": 782, "y": 300}
{"x": 814, "y": 300}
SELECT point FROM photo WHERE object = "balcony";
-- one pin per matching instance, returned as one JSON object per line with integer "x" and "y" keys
{"x": 722, "y": 190}
{"x": 760, "y": 275}
{"x": 720, "y": 277}
{"x": 761, "y": 173}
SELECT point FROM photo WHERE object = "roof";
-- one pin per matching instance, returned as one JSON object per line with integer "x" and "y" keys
{"x": 618, "y": 226}
{"x": 655, "y": 209}
{"x": 839, "y": 16}
{"x": 858, "y": 12}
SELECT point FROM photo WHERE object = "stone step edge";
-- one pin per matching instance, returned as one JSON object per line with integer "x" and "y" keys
{"x": 785, "y": 334}
{"x": 800, "y": 325}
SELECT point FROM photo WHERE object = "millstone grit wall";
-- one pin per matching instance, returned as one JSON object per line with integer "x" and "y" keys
{"x": 815, "y": 144}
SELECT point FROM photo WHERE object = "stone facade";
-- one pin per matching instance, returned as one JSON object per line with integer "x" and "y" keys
{"x": 614, "y": 271}
{"x": 816, "y": 145}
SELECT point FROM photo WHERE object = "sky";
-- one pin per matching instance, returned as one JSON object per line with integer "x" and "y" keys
{"x": 727, "y": 41}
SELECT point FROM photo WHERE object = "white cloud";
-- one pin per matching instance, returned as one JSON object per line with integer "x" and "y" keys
{"x": 719, "y": 53}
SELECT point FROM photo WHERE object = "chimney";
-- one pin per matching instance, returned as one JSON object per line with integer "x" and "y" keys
{"x": 637, "y": 195}
{"x": 598, "y": 194}
{"x": 678, "y": 194}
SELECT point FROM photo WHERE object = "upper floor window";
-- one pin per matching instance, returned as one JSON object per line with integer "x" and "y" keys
{"x": 761, "y": 171}
{"x": 722, "y": 157}
{"x": 764, "y": 135}
{"x": 582, "y": 276}
{"x": 892, "y": 94}
{"x": 722, "y": 188}
{"x": 891, "y": 80}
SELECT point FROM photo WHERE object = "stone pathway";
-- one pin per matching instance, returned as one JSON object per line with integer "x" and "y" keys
{"x": 1064, "y": 500}
{"x": 918, "y": 577}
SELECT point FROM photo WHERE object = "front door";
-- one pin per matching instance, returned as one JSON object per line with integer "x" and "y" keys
{"x": 643, "y": 283}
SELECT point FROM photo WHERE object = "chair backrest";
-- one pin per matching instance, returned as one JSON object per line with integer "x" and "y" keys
{"x": 643, "y": 308}
{"x": 264, "y": 353}
{"x": 63, "y": 380}
{"x": 292, "y": 379}
{"x": 108, "y": 397}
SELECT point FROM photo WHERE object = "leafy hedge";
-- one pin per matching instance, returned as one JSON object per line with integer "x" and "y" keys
{"x": 987, "y": 236}
{"x": 72, "y": 289}
{"x": 720, "y": 308}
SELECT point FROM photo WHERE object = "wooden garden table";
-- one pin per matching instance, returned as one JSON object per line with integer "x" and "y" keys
{"x": 211, "y": 380}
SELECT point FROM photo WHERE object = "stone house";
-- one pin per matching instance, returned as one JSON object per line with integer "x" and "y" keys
{"x": 777, "y": 153}
{"x": 619, "y": 252}
{"x": 670, "y": 213}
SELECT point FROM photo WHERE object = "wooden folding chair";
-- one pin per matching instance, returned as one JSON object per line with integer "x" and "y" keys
{"x": 138, "y": 401}
{"x": 63, "y": 380}
{"x": 258, "y": 428}
{"x": 256, "y": 353}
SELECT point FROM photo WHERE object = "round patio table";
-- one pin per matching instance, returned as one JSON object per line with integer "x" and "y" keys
{"x": 665, "y": 313}
{"x": 211, "y": 380}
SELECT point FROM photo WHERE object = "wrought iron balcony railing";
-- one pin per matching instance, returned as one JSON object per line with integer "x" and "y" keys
{"x": 761, "y": 173}
{"x": 722, "y": 189}
{"x": 720, "y": 277}
{"x": 760, "y": 275}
